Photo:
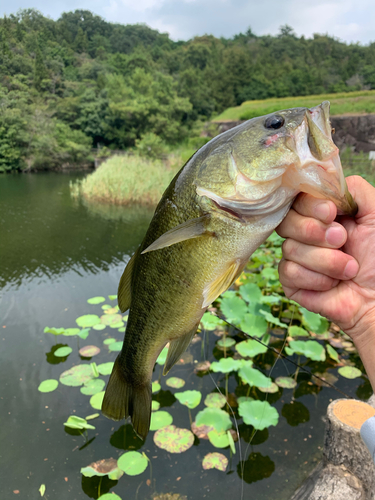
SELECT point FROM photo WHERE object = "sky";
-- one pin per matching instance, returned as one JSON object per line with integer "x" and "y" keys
{"x": 348, "y": 20}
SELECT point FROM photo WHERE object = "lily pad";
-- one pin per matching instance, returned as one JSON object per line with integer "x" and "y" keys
{"x": 76, "y": 376}
{"x": 271, "y": 318}
{"x": 250, "y": 348}
{"x": 219, "y": 419}
{"x": 254, "y": 325}
{"x": 70, "y": 332}
{"x": 88, "y": 320}
{"x": 215, "y": 400}
{"x": 160, "y": 419}
{"x": 314, "y": 322}
{"x": 218, "y": 439}
{"x": 118, "y": 325}
{"x": 215, "y": 461}
{"x": 297, "y": 331}
{"x": 133, "y": 463}
{"x": 252, "y": 376}
{"x": 234, "y": 308}
{"x": 61, "y": 352}
{"x": 75, "y": 422}
{"x": 48, "y": 385}
{"x": 88, "y": 351}
{"x": 156, "y": 386}
{"x": 191, "y": 399}
{"x": 286, "y": 382}
{"x": 175, "y": 382}
{"x": 110, "y": 496}
{"x": 309, "y": 348}
{"x": 109, "y": 341}
{"x": 211, "y": 322}
{"x": 54, "y": 331}
{"x": 174, "y": 439}
{"x": 155, "y": 405}
{"x": 226, "y": 365}
{"x": 250, "y": 292}
{"x": 259, "y": 414}
{"x": 162, "y": 356}
{"x": 111, "y": 310}
{"x": 112, "y": 297}
{"x": 105, "y": 368}
{"x": 83, "y": 334}
{"x": 106, "y": 467}
{"x": 332, "y": 353}
{"x": 226, "y": 342}
{"x": 96, "y": 300}
{"x": 110, "y": 319}
{"x": 93, "y": 387}
{"x": 106, "y": 306}
{"x": 115, "y": 346}
{"x": 99, "y": 326}
{"x": 349, "y": 372}
{"x": 272, "y": 389}
{"x": 96, "y": 400}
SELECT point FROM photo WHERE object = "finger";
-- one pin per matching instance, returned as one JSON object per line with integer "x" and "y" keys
{"x": 309, "y": 206}
{"x": 293, "y": 275}
{"x": 312, "y": 231}
{"x": 327, "y": 261}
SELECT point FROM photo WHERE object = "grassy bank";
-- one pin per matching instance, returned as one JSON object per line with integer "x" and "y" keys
{"x": 342, "y": 103}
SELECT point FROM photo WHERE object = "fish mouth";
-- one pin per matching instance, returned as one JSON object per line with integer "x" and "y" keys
{"x": 319, "y": 172}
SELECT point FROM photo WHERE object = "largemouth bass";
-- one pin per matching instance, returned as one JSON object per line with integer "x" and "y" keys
{"x": 219, "y": 208}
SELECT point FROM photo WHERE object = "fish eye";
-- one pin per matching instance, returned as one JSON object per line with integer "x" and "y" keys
{"x": 274, "y": 122}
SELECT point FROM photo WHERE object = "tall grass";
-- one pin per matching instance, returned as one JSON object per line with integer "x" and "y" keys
{"x": 341, "y": 103}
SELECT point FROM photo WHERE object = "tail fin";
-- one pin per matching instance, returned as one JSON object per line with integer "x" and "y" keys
{"x": 122, "y": 398}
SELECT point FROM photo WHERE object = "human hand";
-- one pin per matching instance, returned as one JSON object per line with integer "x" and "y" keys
{"x": 328, "y": 263}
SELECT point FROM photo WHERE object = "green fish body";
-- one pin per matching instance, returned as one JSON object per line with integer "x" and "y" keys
{"x": 218, "y": 209}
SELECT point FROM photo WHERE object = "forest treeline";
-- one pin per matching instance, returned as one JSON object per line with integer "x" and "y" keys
{"x": 72, "y": 84}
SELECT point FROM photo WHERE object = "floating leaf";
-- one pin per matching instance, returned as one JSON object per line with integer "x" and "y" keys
{"x": 250, "y": 292}
{"x": 259, "y": 414}
{"x": 156, "y": 386}
{"x": 314, "y": 322}
{"x": 215, "y": 461}
{"x": 250, "y": 348}
{"x": 96, "y": 300}
{"x": 93, "y": 387}
{"x": 254, "y": 325}
{"x": 105, "y": 368}
{"x": 78, "y": 375}
{"x": 332, "y": 353}
{"x": 111, "y": 310}
{"x": 96, "y": 400}
{"x": 122, "y": 329}
{"x": 61, "y": 352}
{"x": 272, "y": 389}
{"x": 70, "y": 332}
{"x": 88, "y": 320}
{"x": 271, "y": 318}
{"x": 191, "y": 399}
{"x": 219, "y": 419}
{"x": 173, "y": 439}
{"x": 252, "y": 376}
{"x": 94, "y": 369}
{"x": 175, "y": 382}
{"x": 297, "y": 331}
{"x": 234, "y": 308}
{"x": 48, "y": 385}
{"x": 112, "y": 297}
{"x": 92, "y": 416}
{"x": 160, "y": 419}
{"x": 215, "y": 400}
{"x": 286, "y": 382}
{"x": 42, "y": 489}
{"x": 242, "y": 399}
{"x": 110, "y": 496}
{"x": 218, "y": 439}
{"x": 110, "y": 319}
{"x": 155, "y": 405}
{"x": 106, "y": 467}
{"x": 109, "y": 341}
{"x": 54, "y": 331}
{"x": 88, "y": 351}
{"x": 115, "y": 346}
{"x": 106, "y": 306}
{"x": 226, "y": 365}
{"x": 133, "y": 463}
{"x": 99, "y": 326}
{"x": 309, "y": 348}
{"x": 226, "y": 342}
{"x": 83, "y": 334}
{"x": 350, "y": 372}
{"x": 201, "y": 431}
{"x": 75, "y": 422}
{"x": 270, "y": 274}
{"x": 211, "y": 322}
{"x": 118, "y": 325}
{"x": 231, "y": 442}
{"x": 162, "y": 356}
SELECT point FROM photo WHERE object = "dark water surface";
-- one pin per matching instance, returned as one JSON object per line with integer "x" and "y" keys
{"x": 56, "y": 253}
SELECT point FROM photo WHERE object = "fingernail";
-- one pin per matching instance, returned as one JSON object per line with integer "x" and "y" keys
{"x": 335, "y": 236}
{"x": 351, "y": 269}
{"x": 322, "y": 211}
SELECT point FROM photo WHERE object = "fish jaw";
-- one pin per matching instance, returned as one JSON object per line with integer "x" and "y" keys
{"x": 319, "y": 171}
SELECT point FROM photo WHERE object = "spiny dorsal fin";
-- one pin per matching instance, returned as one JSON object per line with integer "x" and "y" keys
{"x": 124, "y": 287}
{"x": 218, "y": 286}
{"x": 177, "y": 347}
{"x": 185, "y": 231}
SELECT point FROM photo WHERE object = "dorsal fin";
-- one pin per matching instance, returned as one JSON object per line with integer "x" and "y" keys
{"x": 124, "y": 287}
{"x": 220, "y": 284}
{"x": 185, "y": 231}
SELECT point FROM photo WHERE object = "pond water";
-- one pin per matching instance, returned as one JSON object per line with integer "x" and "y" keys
{"x": 55, "y": 253}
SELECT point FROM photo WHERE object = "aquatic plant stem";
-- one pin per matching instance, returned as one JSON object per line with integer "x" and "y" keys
{"x": 190, "y": 418}
{"x": 99, "y": 485}
{"x": 226, "y": 385}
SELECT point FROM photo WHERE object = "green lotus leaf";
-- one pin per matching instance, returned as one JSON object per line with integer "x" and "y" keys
{"x": 54, "y": 331}
{"x": 254, "y": 325}
{"x": 70, "y": 332}
{"x": 242, "y": 399}
{"x": 272, "y": 389}
{"x": 226, "y": 365}
{"x": 286, "y": 382}
{"x": 115, "y": 346}
{"x": 96, "y": 400}
{"x": 214, "y": 417}
{"x": 250, "y": 292}
{"x": 75, "y": 422}
{"x": 173, "y": 439}
{"x": 48, "y": 385}
{"x": 94, "y": 368}
{"x": 332, "y": 353}
{"x": 96, "y": 300}
{"x": 99, "y": 327}
{"x": 271, "y": 318}
{"x": 175, "y": 382}
{"x": 191, "y": 399}
{"x": 226, "y": 342}
{"x": 160, "y": 419}
{"x": 92, "y": 416}
{"x": 271, "y": 299}
{"x": 215, "y": 461}
{"x": 61, "y": 352}
{"x": 314, "y": 322}
{"x": 259, "y": 414}
{"x": 88, "y": 320}
{"x": 112, "y": 297}
{"x": 106, "y": 306}
{"x": 162, "y": 356}
{"x": 109, "y": 341}
{"x": 155, "y": 405}
{"x": 218, "y": 439}
{"x": 156, "y": 386}
{"x": 106, "y": 467}
{"x": 309, "y": 348}
{"x": 88, "y": 351}
{"x": 105, "y": 368}
{"x": 83, "y": 334}
{"x": 210, "y": 321}
{"x": 349, "y": 372}
{"x": 250, "y": 348}
{"x": 109, "y": 496}
{"x": 252, "y": 376}
{"x": 133, "y": 463}
{"x": 297, "y": 331}
{"x": 118, "y": 325}
{"x": 231, "y": 442}
{"x": 93, "y": 387}
{"x": 78, "y": 375}
{"x": 215, "y": 400}
{"x": 234, "y": 309}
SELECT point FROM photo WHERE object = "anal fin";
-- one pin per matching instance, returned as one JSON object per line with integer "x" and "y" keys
{"x": 124, "y": 287}
{"x": 220, "y": 284}
{"x": 177, "y": 347}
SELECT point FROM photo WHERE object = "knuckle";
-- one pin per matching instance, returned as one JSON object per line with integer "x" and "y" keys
{"x": 309, "y": 230}
{"x": 289, "y": 248}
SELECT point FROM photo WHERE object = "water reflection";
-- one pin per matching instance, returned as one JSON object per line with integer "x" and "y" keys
{"x": 248, "y": 435}
{"x": 95, "y": 486}
{"x": 55, "y": 360}
{"x": 295, "y": 413}
{"x": 255, "y": 468}
{"x": 126, "y": 439}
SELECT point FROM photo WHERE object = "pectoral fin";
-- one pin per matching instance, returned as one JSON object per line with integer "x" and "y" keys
{"x": 177, "y": 348}
{"x": 218, "y": 286}
{"x": 124, "y": 287}
{"x": 185, "y": 231}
